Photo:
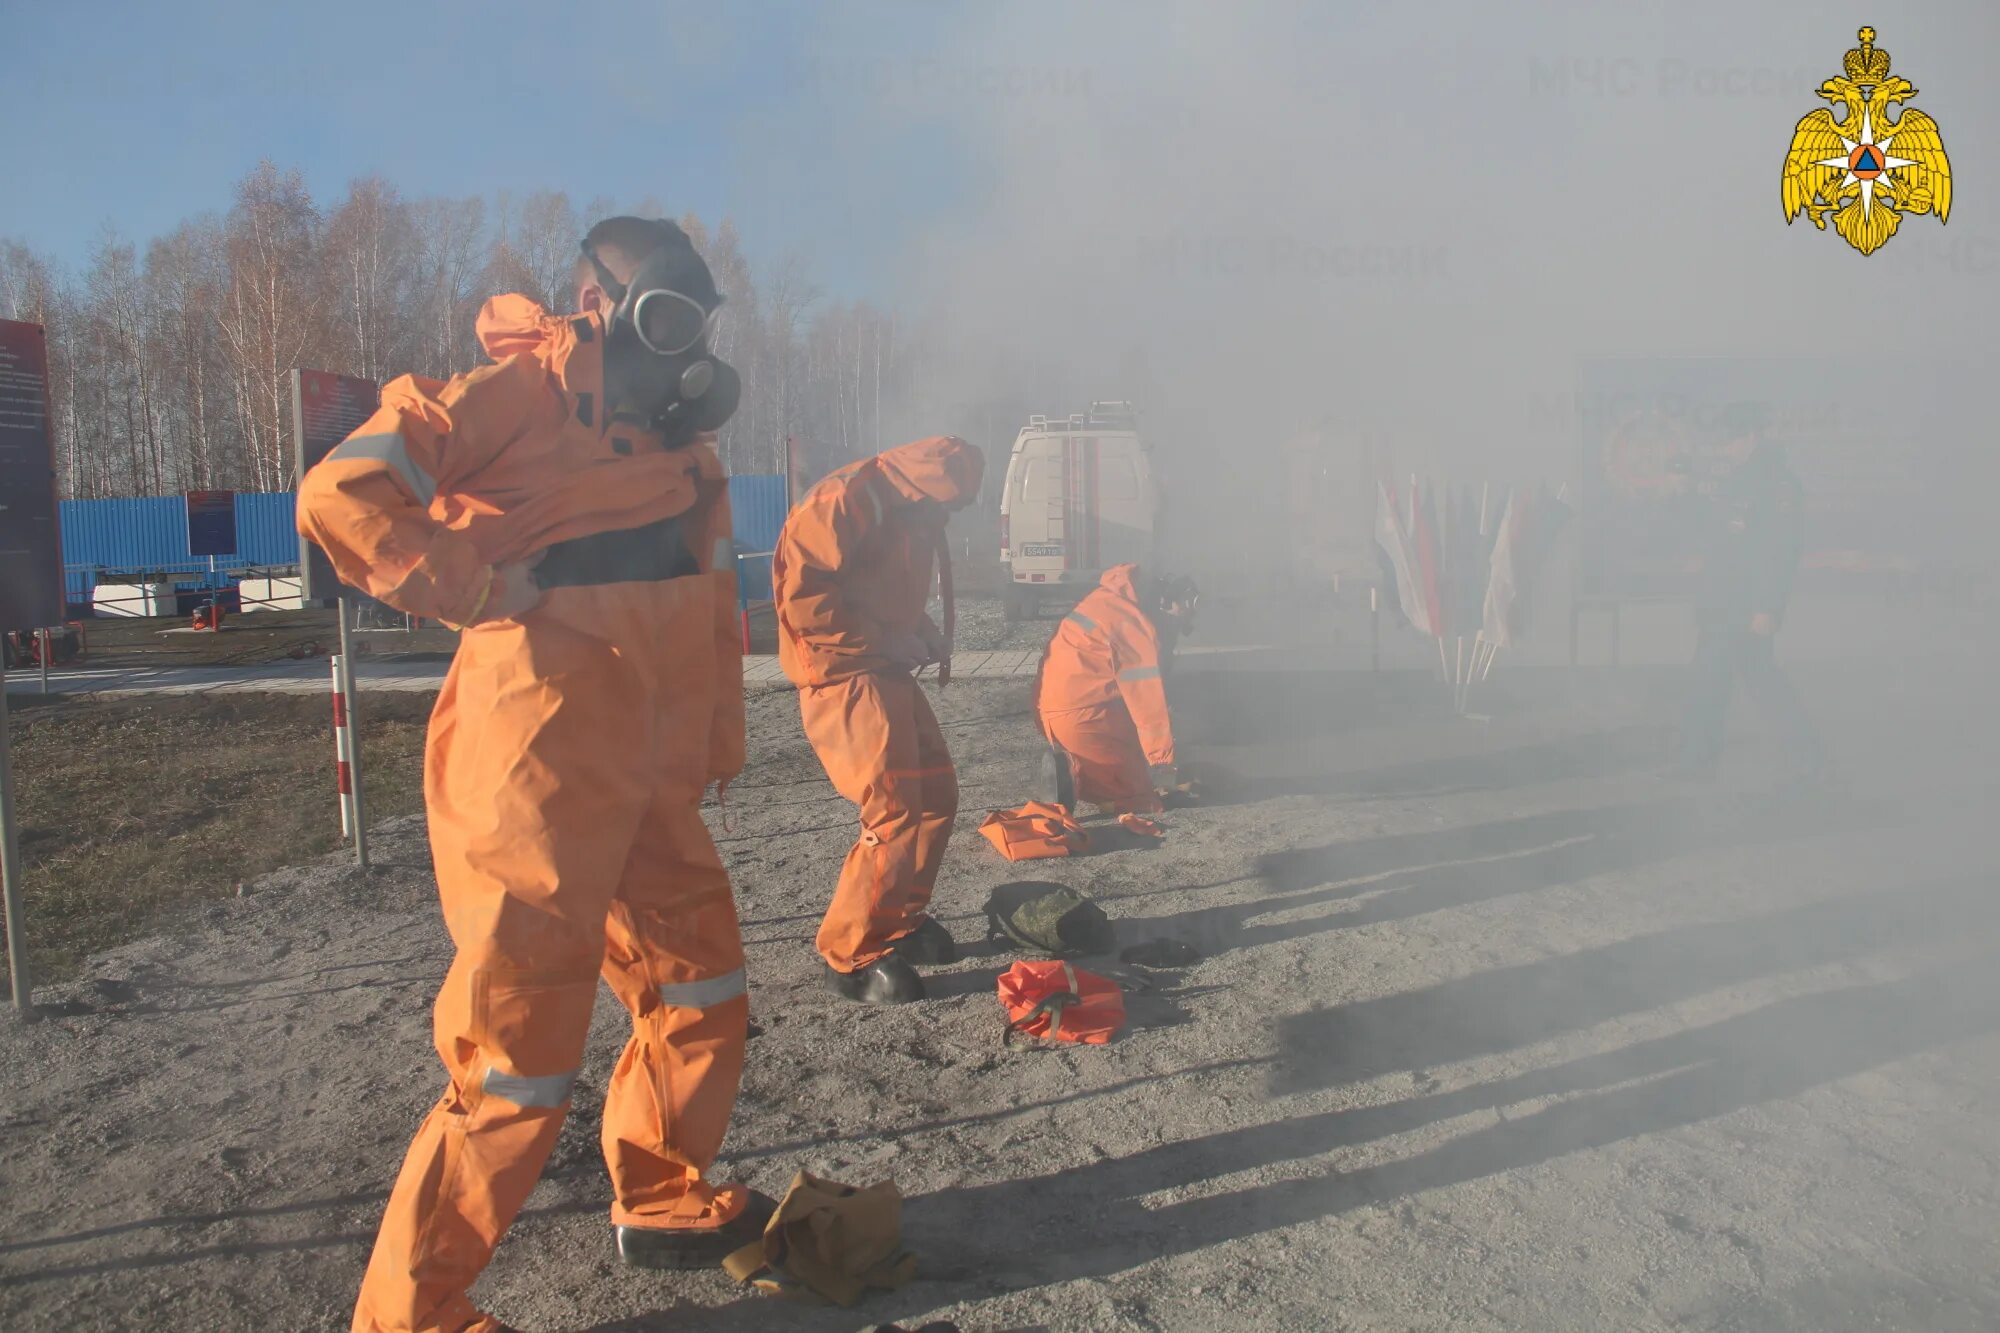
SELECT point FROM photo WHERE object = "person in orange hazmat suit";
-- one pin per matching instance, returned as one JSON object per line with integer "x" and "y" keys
{"x": 1102, "y": 699}
{"x": 567, "y": 509}
{"x": 852, "y": 574}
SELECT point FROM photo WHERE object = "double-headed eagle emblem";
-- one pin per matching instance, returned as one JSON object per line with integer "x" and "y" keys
{"x": 1863, "y": 169}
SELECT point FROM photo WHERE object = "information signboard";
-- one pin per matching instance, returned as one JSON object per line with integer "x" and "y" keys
{"x": 31, "y": 573}
{"x": 326, "y": 409}
{"x": 211, "y": 520}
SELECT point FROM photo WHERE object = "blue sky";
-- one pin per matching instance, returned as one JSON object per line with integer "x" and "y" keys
{"x": 148, "y": 113}
{"x": 1272, "y": 194}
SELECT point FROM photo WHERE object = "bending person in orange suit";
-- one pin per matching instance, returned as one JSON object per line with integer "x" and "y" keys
{"x": 1102, "y": 698}
{"x": 851, "y": 576}
{"x": 567, "y": 508}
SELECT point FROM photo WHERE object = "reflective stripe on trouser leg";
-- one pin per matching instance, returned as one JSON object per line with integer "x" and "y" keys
{"x": 674, "y": 958}
{"x": 479, "y": 1152}
{"x": 703, "y": 994}
{"x": 546, "y": 1091}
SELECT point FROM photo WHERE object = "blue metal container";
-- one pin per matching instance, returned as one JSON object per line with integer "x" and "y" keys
{"x": 150, "y": 536}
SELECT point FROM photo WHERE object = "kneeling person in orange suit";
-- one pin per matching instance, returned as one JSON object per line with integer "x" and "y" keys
{"x": 567, "y": 508}
{"x": 1102, "y": 699}
{"x": 851, "y": 576}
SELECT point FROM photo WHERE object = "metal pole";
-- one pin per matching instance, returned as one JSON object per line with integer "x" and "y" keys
{"x": 1374, "y": 629}
{"x": 10, "y": 864}
{"x": 43, "y": 637}
{"x": 354, "y": 735}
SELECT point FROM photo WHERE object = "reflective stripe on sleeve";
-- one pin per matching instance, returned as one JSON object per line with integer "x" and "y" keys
{"x": 389, "y": 448}
{"x": 1079, "y": 618}
{"x": 547, "y": 1090}
{"x": 1140, "y": 673}
{"x": 703, "y": 994}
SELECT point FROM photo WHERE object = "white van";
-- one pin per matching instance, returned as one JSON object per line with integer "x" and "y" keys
{"x": 1079, "y": 499}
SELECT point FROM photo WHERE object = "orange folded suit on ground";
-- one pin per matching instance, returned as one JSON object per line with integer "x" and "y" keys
{"x": 1034, "y": 831}
{"x": 563, "y": 779}
{"x": 851, "y": 574}
{"x": 1102, "y": 700}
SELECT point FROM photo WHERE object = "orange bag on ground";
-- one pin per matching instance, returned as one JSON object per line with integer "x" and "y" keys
{"x": 1055, "y": 1000}
{"x": 1036, "y": 830}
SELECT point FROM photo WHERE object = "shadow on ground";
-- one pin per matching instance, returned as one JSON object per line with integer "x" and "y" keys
{"x": 1398, "y": 876}
{"x": 1105, "y": 1217}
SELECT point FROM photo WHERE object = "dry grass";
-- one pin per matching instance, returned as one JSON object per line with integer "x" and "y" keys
{"x": 132, "y": 808}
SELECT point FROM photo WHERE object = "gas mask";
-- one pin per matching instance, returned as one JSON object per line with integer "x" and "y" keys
{"x": 657, "y": 366}
{"x": 1170, "y": 603}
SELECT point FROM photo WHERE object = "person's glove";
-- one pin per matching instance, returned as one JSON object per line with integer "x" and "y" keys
{"x": 906, "y": 648}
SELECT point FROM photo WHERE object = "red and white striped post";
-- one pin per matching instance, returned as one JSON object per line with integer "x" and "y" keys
{"x": 356, "y": 788}
{"x": 343, "y": 753}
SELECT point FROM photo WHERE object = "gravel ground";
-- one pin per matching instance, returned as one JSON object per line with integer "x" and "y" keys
{"x": 1494, "y": 1031}
{"x": 982, "y": 628}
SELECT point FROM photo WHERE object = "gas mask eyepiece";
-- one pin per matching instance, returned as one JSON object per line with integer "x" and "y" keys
{"x": 669, "y": 322}
{"x": 658, "y": 368}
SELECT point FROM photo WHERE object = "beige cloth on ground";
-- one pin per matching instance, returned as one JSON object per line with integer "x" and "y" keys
{"x": 829, "y": 1242}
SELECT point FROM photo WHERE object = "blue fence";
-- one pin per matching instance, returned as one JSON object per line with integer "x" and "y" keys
{"x": 150, "y": 536}
{"x": 757, "y": 507}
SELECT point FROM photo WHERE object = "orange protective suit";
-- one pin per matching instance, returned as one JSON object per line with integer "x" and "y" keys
{"x": 852, "y": 573}
{"x": 567, "y": 758}
{"x": 1102, "y": 700}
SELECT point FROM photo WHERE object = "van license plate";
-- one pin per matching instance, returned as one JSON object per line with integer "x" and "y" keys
{"x": 1042, "y": 549}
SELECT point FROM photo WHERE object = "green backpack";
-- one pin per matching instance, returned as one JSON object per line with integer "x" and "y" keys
{"x": 1051, "y": 918}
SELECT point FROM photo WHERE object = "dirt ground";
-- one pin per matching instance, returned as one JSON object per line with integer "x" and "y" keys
{"x": 1494, "y": 1031}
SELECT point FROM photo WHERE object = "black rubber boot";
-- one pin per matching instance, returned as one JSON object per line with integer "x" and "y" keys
{"x": 929, "y": 945}
{"x": 1054, "y": 782}
{"x": 885, "y": 981}
{"x": 695, "y": 1247}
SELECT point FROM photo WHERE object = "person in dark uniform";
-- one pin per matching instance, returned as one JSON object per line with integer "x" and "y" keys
{"x": 1752, "y": 547}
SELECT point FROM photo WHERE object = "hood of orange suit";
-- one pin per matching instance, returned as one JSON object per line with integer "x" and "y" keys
{"x": 513, "y": 324}
{"x": 942, "y": 468}
{"x": 1123, "y": 580}
{"x": 570, "y": 346}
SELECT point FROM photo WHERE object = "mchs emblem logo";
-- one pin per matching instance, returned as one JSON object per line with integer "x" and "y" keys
{"x": 1860, "y": 168}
